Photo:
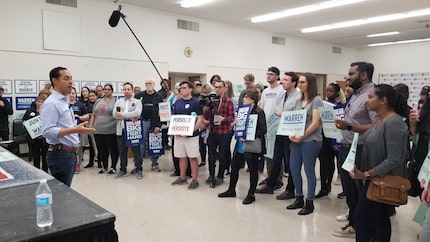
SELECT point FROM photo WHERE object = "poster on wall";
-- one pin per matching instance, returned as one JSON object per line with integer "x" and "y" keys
{"x": 120, "y": 86}
{"x": 415, "y": 82}
{"x": 9, "y": 99}
{"x": 114, "y": 85}
{"x": 42, "y": 83}
{"x": 23, "y": 103}
{"x": 26, "y": 87}
{"x": 77, "y": 86}
{"x": 90, "y": 84}
{"x": 7, "y": 86}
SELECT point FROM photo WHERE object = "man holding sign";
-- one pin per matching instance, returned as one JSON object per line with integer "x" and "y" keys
{"x": 128, "y": 110}
{"x": 188, "y": 146}
{"x": 357, "y": 119}
{"x": 286, "y": 102}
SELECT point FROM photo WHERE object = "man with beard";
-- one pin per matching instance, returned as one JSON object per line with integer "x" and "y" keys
{"x": 357, "y": 119}
{"x": 268, "y": 103}
{"x": 150, "y": 118}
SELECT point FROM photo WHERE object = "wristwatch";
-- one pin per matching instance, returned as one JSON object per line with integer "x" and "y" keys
{"x": 349, "y": 127}
{"x": 366, "y": 175}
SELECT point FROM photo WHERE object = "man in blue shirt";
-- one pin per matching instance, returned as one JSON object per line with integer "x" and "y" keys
{"x": 188, "y": 146}
{"x": 59, "y": 127}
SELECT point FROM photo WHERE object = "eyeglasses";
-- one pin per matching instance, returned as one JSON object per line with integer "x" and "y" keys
{"x": 149, "y": 83}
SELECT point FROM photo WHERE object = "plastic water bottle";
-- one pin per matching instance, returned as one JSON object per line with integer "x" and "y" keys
{"x": 44, "y": 216}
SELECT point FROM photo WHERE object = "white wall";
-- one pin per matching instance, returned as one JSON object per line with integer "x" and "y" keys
{"x": 405, "y": 58}
{"x": 111, "y": 54}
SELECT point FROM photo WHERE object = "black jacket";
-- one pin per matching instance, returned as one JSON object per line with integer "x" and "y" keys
{"x": 5, "y": 111}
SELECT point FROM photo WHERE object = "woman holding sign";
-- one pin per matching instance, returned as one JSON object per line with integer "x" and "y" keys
{"x": 39, "y": 146}
{"x": 384, "y": 152}
{"x": 251, "y": 97}
{"x": 305, "y": 148}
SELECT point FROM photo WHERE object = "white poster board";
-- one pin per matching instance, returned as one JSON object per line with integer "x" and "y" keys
{"x": 33, "y": 127}
{"x": 182, "y": 125}
{"x": 292, "y": 123}
{"x": 164, "y": 111}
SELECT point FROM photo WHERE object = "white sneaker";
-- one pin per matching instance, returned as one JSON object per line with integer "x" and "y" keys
{"x": 343, "y": 217}
{"x": 346, "y": 231}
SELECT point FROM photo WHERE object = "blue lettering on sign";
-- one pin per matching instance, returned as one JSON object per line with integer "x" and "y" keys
{"x": 24, "y": 103}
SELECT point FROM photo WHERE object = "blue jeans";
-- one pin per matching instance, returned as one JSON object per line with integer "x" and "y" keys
{"x": 122, "y": 148}
{"x": 62, "y": 165}
{"x": 146, "y": 125}
{"x": 305, "y": 153}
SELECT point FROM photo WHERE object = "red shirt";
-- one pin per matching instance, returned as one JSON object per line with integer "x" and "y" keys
{"x": 224, "y": 109}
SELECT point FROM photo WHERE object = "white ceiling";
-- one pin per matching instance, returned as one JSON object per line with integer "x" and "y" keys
{"x": 239, "y": 12}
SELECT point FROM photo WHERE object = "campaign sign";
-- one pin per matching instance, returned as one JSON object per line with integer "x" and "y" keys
{"x": 24, "y": 103}
{"x": 155, "y": 144}
{"x": 7, "y": 86}
{"x": 292, "y": 123}
{"x": 182, "y": 125}
{"x": 25, "y": 86}
{"x": 349, "y": 163}
{"x": 133, "y": 133}
{"x": 329, "y": 127}
{"x": 242, "y": 120}
{"x": 272, "y": 128}
{"x": 34, "y": 127}
{"x": 251, "y": 127}
{"x": 164, "y": 111}
{"x": 424, "y": 174}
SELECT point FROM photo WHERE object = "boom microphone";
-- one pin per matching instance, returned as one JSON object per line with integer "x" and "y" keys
{"x": 114, "y": 18}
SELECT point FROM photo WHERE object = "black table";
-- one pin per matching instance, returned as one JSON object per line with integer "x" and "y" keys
{"x": 75, "y": 217}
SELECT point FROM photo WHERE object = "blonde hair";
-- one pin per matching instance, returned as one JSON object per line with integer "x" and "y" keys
{"x": 206, "y": 88}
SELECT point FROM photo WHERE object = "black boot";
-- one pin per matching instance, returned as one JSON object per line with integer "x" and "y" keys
{"x": 309, "y": 208}
{"x": 249, "y": 199}
{"x": 298, "y": 203}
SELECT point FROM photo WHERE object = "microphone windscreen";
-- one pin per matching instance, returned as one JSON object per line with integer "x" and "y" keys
{"x": 114, "y": 18}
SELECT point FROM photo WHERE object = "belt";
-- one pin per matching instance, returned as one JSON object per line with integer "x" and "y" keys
{"x": 61, "y": 147}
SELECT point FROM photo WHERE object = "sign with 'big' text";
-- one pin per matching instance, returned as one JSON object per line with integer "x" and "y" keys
{"x": 133, "y": 132}
{"x": 155, "y": 144}
{"x": 182, "y": 125}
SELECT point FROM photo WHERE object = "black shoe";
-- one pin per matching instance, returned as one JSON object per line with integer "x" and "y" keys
{"x": 89, "y": 165}
{"x": 265, "y": 189}
{"x": 212, "y": 183}
{"x": 286, "y": 195}
{"x": 262, "y": 182}
{"x": 341, "y": 195}
{"x": 298, "y": 203}
{"x": 202, "y": 164}
{"x": 278, "y": 185}
{"x": 227, "y": 193}
{"x": 309, "y": 208}
{"x": 99, "y": 164}
{"x": 249, "y": 199}
{"x": 321, "y": 194}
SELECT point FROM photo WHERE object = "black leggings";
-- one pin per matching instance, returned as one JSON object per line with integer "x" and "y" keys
{"x": 327, "y": 165}
{"x": 252, "y": 161}
{"x": 106, "y": 143}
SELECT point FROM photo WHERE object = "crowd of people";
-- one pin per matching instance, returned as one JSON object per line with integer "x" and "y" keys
{"x": 378, "y": 113}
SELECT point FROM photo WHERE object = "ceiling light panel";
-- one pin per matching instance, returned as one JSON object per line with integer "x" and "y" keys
{"x": 303, "y": 10}
{"x": 382, "y": 34}
{"x": 194, "y": 3}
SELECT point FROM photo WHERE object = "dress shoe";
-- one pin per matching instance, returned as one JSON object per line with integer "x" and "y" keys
{"x": 278, "y": 185}
{"x": 298, "y": 203}
{"x": 249, "y": 199}
{"x": 341, "y": 195}
{"x": 89, "y": 165}
{"x": 227, "y": 193}
{"x": 308, "y": 208}
{"x": 202, "y": 164}
{"x": 322, "y": 194}
{"x": 286, "y": 195}
{"x": 265, "y": 190}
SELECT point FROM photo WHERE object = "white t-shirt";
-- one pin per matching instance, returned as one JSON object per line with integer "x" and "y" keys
{"x": 269, "y": 98}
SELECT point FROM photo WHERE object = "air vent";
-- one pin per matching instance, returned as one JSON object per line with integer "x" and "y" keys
{"x": 67, "y": 3}
{"x": 278, "y": 40}
{"x": 337, "y": 50}
{"x": 188, "y": 25}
